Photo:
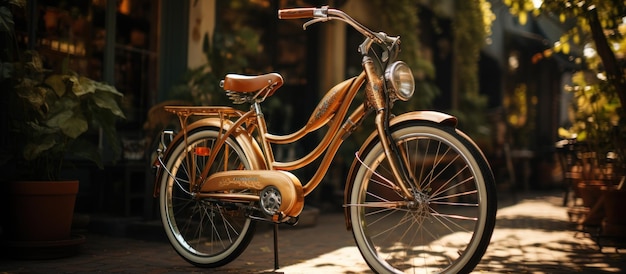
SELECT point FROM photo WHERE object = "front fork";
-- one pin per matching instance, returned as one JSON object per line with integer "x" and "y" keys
{"x": 380, "y": 102}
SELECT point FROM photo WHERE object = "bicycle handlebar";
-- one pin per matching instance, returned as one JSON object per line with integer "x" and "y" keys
{"x": 324, "y": 14}
{"x": 296, "y": 13}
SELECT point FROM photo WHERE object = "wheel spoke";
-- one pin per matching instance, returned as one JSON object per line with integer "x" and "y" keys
{"x": 435, "y": 230}
{"x": 206, "y": 232}
{"x": 454, "y": 195}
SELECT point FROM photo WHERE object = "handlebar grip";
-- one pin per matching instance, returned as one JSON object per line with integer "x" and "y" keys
{"x": 296, "y": 13}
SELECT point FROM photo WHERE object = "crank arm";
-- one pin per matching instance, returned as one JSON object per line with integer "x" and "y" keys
{"x": 292, "y": 221}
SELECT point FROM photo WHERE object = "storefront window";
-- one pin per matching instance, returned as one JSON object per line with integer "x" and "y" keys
{"x": 73, "y": 34}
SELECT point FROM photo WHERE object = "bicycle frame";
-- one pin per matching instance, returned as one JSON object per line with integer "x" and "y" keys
{"x": 332, "y": 111}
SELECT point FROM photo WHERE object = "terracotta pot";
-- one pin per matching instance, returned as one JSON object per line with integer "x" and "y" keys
{"x": 42, "y": 211}
{"x": 615, "y": 206}
{"x": 590, "y": 191}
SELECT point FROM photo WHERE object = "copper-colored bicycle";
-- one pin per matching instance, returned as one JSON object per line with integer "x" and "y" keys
{"x": 419, "y": 196}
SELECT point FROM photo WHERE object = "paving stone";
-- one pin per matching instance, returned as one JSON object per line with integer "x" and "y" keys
{"x": 532, "y": 235}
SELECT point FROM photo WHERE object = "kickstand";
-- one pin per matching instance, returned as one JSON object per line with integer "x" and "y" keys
{"x": 276, "y": 267}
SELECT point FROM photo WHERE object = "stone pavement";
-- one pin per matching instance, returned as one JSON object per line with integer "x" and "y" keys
{"x": 532, "y": 235}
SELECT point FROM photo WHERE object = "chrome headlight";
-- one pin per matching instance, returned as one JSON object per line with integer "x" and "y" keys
{"x": 400, "y": 79}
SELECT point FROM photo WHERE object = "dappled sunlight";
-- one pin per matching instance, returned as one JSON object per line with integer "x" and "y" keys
{"x": 525, "y": 249}
{"x": 535, "y": 236}
{"x": 343, "y": 260}
{"x": 531, "y": 236}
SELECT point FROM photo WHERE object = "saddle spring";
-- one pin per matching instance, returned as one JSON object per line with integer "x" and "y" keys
{"x": 243, "y": 97}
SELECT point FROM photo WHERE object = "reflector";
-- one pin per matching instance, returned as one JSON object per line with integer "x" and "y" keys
{"x": 202, "y": 151}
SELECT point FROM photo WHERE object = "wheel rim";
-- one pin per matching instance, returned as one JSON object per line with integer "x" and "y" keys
{"x": 432, "y": 231}
{"x": 203, "y": 231}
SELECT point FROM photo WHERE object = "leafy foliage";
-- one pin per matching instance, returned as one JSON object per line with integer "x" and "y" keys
{"x": 400, "y": 18}
{"x": 50, "y": 114}
{"x": 472, "y": 25}
{"x": 599, "y": 90}
{"x": 595, "y": 117}
{"x": 230, "y": 50}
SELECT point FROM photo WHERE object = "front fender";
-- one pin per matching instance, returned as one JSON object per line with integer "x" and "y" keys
{"x": 248, "y": 144}
{"x": 429, "y": 116}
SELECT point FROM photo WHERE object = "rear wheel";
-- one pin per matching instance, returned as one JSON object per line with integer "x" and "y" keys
{"x": 446, "y": 226}
{"x": 205, "y": 232}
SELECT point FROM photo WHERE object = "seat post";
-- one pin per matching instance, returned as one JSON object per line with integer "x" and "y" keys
{"x": 262, "y": 128}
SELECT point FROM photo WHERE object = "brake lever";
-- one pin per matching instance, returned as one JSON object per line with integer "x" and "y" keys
{"x": 313, "y": 21}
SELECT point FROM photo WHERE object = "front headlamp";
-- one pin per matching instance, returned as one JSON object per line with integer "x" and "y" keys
{"x": 400, "y": 79}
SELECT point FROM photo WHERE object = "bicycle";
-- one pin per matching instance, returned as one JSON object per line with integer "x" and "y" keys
{"x": 419, "y": 195}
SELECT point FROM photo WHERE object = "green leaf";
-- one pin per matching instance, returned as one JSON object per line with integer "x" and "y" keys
{"x": 34, "y": 149}
{"x": 75, "y": 126}
{"x": 57, "y": 83}
{"x": 6, "y": 20}
{"x": 105, "y": 101}
{"x": 55, "y": 120}
{"x": 17, "y": 3}
{"x": 35, "y": 96}
{"x": 35, "y": 63}
{"x": 64, "y": 104}
{"x": 81, "y": 85}
{"x": 107, "y": 88}
{"x": 65, "y": 118}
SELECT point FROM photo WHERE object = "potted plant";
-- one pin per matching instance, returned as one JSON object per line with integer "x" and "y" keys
{"x": 50, "y": 117}
{"x": 599, "y": 132}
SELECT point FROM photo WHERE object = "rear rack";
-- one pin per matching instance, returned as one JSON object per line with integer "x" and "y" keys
{"x": 185, "y": 112}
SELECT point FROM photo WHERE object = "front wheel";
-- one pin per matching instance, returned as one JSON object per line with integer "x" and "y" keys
{"x": 446, "y": 226}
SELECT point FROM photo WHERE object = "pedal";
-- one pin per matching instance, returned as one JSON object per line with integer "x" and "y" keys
{"x": 293, "y": 221}
{"x": 261, "y": 219}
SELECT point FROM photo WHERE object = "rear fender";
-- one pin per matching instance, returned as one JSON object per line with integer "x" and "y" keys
{"x": 250, "y": 147}
{"x": 429, "y": 116}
